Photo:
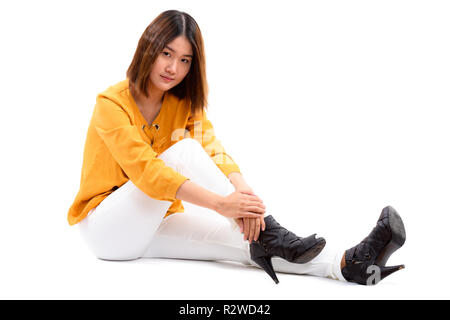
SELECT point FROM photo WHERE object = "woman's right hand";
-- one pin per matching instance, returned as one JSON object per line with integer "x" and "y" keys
{"x": 241, "y": 205}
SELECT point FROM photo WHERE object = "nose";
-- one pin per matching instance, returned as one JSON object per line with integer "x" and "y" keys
{"x": 171, "y": 68}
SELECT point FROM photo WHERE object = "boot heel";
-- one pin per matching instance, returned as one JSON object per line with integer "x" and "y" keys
{"x": 266, "y": 264}
{"x": 386, "y": 271}
{"x": 382, "y": 272}
{"x": 260, "y": 257}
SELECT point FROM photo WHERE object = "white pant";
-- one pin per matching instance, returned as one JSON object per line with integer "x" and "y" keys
{"x": 128, "y": 224}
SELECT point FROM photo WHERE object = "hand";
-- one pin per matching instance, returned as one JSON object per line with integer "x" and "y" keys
{"x": 252, "y": 228}
{"x": 241, "y": 205}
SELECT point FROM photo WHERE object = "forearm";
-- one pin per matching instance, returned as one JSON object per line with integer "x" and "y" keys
{"x": 237, "y": 180}
{"x": 193, "y": 193}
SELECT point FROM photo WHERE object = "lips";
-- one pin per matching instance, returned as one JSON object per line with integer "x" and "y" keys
{"x": 167, "y": 78}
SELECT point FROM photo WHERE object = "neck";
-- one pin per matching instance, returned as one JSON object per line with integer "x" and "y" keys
{"x": 154, "y": 99}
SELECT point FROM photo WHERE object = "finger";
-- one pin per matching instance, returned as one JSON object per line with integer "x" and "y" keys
{"x": 257, "y": 229}
{"x": 246, "y": 228}
{"x": 251, "y": 196}
{"x": 243, "y": 227}
{"x": 257, "y": 198}
{"x": 257, "y": 204}
{"x": 251, "y": 233}
{"x": 249, "y": 214}
{"x": 254, "y": 199}
{"x": 255, "y": 209}
{"x": 263, "y": 223}
{"x": 240, "y": 224}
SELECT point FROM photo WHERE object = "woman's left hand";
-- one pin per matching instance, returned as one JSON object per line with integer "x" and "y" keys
{"x": 250, "y": 227}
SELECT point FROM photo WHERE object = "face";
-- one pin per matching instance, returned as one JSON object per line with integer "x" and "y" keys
{"x": 172, "y": 64}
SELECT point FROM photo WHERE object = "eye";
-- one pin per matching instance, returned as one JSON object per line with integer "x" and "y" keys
{"x": 167, "y": 54}
{"x": 186, "y": 60}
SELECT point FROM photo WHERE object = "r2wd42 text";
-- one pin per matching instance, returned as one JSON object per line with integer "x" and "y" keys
{"x": 246, "y": 309}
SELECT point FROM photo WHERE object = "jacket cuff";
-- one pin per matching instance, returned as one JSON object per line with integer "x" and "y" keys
{"x": 225, "y": 163}
{"x": 172, "y": 188}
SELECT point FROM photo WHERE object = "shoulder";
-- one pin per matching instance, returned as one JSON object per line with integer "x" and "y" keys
{"x": 118, "y": 97}
{"x": 114, "y": 105}
{"x": 118, "y": 92}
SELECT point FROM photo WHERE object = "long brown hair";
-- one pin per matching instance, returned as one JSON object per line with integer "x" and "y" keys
{"x": 166, "y": 27}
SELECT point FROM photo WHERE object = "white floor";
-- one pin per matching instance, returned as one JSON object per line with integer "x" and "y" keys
{"x": 58, "y": 265}
{"x": 332, "y": 111}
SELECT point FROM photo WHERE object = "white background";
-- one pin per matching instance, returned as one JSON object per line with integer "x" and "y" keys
{"x": 332, "y": 109}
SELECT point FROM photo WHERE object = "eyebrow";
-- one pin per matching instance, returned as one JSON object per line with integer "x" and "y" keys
{"x": 186, "y": 55}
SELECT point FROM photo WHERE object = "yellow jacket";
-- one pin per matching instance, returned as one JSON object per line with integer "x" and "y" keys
{"x": 121, "y": 146}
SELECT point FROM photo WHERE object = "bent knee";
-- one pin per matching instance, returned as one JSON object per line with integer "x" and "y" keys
{"x": 189, "y": 143}
{"x": 181, "y": 152}
{"x": 185, "y": 144}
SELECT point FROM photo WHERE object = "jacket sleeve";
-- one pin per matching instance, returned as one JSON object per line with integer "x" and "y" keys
{"x": 134, "y": 155}
{"x": 201, "y": 129}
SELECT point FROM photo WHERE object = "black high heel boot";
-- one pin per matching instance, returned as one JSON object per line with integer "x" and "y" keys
{"x": 366, "y": 262}
{"x": 276, "y": 240}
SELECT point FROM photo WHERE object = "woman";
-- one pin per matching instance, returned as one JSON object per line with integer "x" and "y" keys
{"x": 150, "y": 145}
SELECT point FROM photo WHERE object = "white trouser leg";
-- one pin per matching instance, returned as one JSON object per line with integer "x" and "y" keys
{"x": 202, "y": 234}
{"x": 131, "y": 224}
{"x": 122, "y": 226}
